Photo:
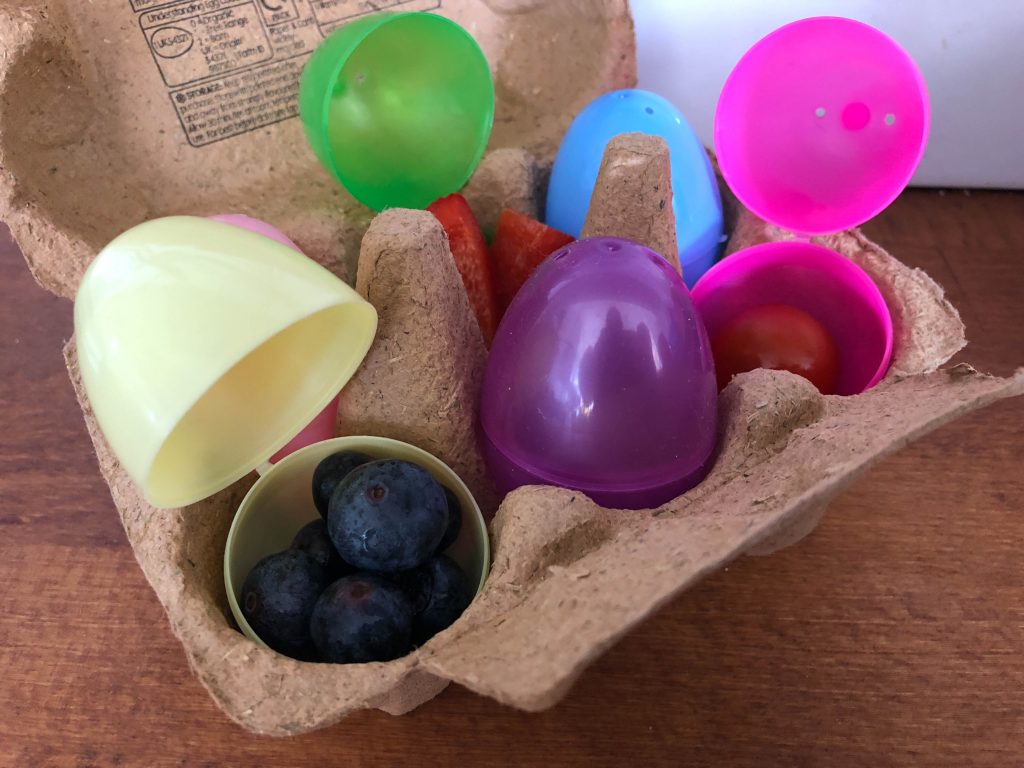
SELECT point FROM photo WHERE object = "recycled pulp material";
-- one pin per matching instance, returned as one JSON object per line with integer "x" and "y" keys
{"x": 421, "y": 380}
{"x": 635, "y": 167}
{"x": 569, "y": 578}
{"x": 117, "y": 111}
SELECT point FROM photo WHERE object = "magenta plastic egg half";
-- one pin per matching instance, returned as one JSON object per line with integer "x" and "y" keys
{"x": 822, "y": 124}
{"x": 600, "y": 379}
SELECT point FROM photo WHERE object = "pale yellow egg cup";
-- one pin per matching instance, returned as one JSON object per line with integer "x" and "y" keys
{"x": 204, "y": 348}
{"x": 281, "y": 503}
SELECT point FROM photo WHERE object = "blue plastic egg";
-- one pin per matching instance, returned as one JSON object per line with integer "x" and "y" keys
{"x": 696, "y": 202}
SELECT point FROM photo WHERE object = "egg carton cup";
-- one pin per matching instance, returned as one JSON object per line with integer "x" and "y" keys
{"x": 569, "y": 578}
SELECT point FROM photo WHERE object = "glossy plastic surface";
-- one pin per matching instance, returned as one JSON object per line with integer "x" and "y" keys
{"x": 258, "y": 226}
{"x": 398, "y": 107}
{"x": 696, "y": 202}
{"x": 281, "y": 503}
{"x": 821, "y": 125}
{"x": 204, "y": 348}
{"x": 600, "y": 378}
{"x": 832, "y": 289}
{"x": 324, "y": 425}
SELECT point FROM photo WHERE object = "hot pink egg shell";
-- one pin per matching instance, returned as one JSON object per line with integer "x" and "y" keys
{"x": 832, "y": 289}
{"x": 821, "y": 125}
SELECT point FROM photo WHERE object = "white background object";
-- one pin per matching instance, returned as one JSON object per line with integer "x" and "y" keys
{"x": 970, "y": 51}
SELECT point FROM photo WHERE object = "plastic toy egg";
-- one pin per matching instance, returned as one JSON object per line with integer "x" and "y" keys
{"x": 600, "y": 379}
{"x": 205, "y": 348}
{"x": 258, "y": 226}
{"x": 821, "y": 125}
{"x": 324, "y": 425}
{"x": 398, "y": 107}
{"x": 696, "y": 202}
{"x": 828, "y": 287}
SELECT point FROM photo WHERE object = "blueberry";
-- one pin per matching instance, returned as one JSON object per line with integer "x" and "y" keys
{"x": 439, "y": 592}
{"x": 454, "y": 521}
{"x": 314, "y": 541}
{"x": 387, "y": 516}
{"x": 330, "y": 472}
{"x": 278, "y": 597}
{"x": 361, "y": 618}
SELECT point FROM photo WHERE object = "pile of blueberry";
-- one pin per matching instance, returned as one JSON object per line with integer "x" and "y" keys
{"x": 368, "y": 582}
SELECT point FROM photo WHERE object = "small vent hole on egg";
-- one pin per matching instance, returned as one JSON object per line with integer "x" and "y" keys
{"x": 890, "y": 119}
{"x": 819, "y": 112}
{"x": 613, "y": 247}
{"x": 649, "y": 110}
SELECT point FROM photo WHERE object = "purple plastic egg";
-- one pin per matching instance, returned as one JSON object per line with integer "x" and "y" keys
{"x": 600, "y": 379}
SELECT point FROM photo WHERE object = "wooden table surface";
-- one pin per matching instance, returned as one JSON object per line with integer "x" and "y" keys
{"x": 894, "y": 635}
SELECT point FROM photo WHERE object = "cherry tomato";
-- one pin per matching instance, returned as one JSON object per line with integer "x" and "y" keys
{"x": 780, "y": 338}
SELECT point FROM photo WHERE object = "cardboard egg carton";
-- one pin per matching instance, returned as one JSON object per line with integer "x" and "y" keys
{"x": 93, "y": 141}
